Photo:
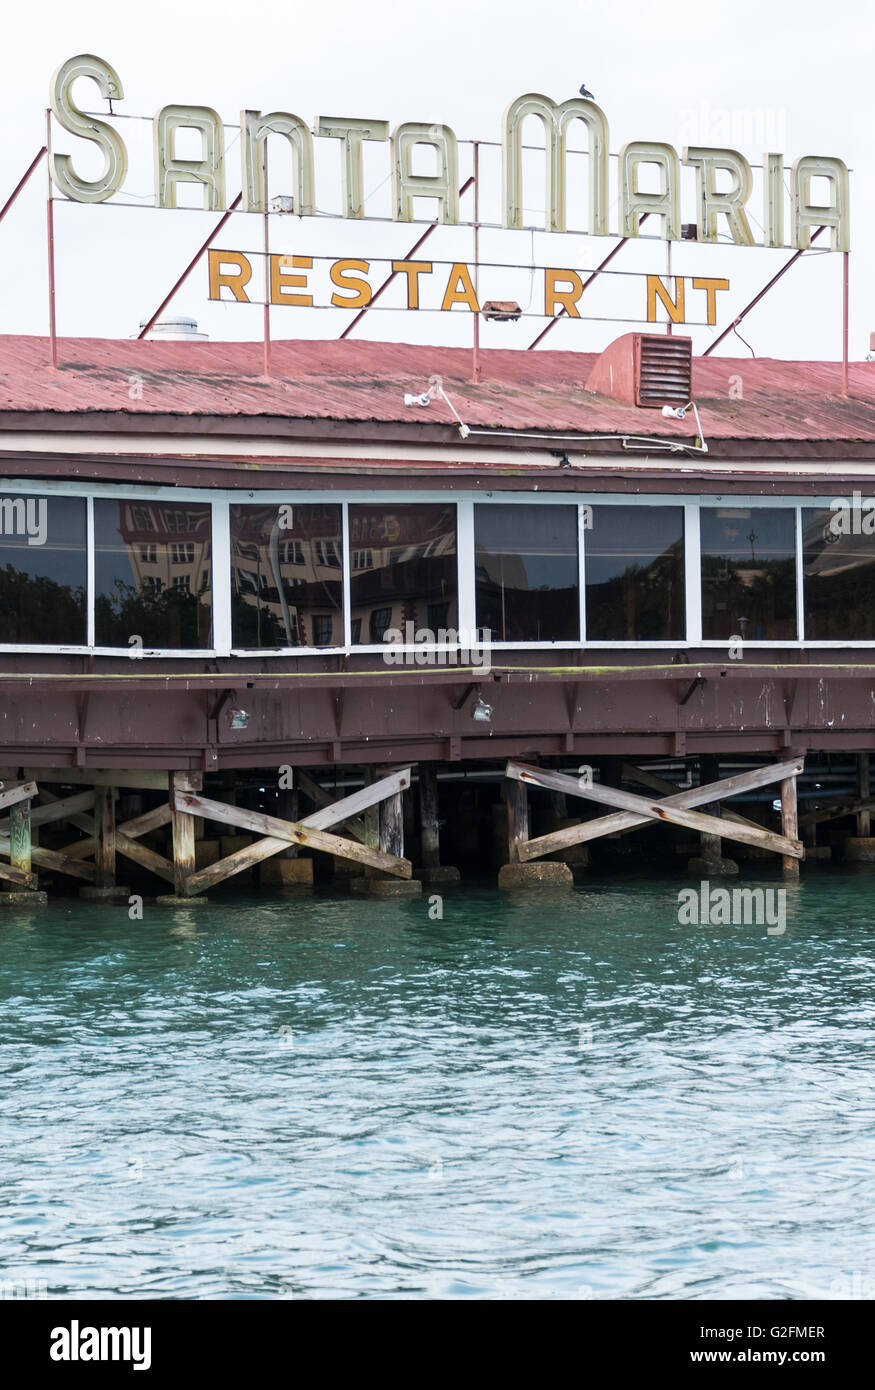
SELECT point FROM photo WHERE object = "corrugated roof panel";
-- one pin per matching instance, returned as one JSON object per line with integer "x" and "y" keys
{"x": 365, "y": 381}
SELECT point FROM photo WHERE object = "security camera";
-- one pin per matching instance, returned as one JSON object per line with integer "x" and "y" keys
{"x": 424, "y": 399}
{"x": 673, "y": 412}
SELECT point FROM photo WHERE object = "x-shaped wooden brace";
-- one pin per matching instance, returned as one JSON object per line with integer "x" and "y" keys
{"x": 639, "y": 810}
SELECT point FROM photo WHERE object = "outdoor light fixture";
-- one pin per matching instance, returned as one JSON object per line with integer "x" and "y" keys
{"x": 481, "y": 711}
{"x": 436, "y": 388}
{"x": 239, "y": 719}
{"x": 679, "y": 412}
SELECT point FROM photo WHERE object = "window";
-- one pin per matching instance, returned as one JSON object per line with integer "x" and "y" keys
{"x": 323, "y": 631}
{"x": 43, "y": 570}
{"x": 749, "y": 573}
{"x": 838, "y": 576}
{"x": 634, "y": 559}
{"x": 381, "y": 621}
{"x": 407, "y": 563}
{"x": 271, "y": 608}
{"x": 526, "y": 572}
{"x": 170, "y": 607}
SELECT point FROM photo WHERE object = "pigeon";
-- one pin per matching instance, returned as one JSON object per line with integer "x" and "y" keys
{"x": 585, "y": 93}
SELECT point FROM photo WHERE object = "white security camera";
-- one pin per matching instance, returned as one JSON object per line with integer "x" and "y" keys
{"x": 424, "y": 399}
{"x": 673, "y": 412}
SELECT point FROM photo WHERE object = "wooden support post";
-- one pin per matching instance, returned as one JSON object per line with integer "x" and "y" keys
{"x": 428, "y": 815}
{"x": 711, "y": 845}
{"x": 104, "y": 837}
{"x": 19, "y": 837}
{"x": 789, "y": 825}
{"x": 287, "y": 809}
{"x": 863, "y": 816}
{"x": 392, "y": 825}
{"x": 372, "y": 815}
{"x": 516, "y": 799}
{"x": 182, "y": 824}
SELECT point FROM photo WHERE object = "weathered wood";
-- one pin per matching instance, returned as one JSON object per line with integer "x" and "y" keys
{"x": 150, "y": 780}
{"x": 148, "y": 821}
{"x": 59, "y": 809}
{"x": 288, "y": 808}
{"x": 645, "y": 812}
{"x": 837, "y": 810}
{"x": 863, "y": 789}
{"x": 104, "y": 837}
{"x": 182, "y": 826}
{"x": 62, "y": 864}
{"x": 789, "y": 826}
{"x": 19, "y": 837}
{"x": 631, "y": 773}
{"x": 516, "y": 799}
{"x": 25, "y": 791}
{"x": 428, "y": 816}
{"x": 272, "y": 827}
{"x": 24, "y": 880}
{"x": 338, "y": 811}
{"x": 711, "y": 846}
{"x": 234, "y": 863}
{"x": 322, "y": 798}
{"x": 148, "y": 858}
{"x": 392, "y": 824}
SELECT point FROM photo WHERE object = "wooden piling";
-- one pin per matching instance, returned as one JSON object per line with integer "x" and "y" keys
{"x": 516, "y": 799}
{"x": 182, "y": 825}
{"x": 104, "y": 836}
{"x": 864, "y": 815}
{"x": 789, "y": 824}
{"x": 20, "y": 837}
{"x": 428, "y": 815}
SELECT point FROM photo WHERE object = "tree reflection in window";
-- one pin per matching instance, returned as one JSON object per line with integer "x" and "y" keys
{"x": 286, "y": 575}
{"x": 43, "y": 570}
{"x": 748, "y": 573}
{"x": 149, "y": 583}
{"x": 635, "y": 589}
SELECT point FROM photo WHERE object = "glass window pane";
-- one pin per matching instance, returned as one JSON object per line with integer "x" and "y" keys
{"x": 839, "y": 579}
{"x": 403, "y": 569}
{"x": 287, "y": 575}
{"x": 43, "y": 570}
{"x": 527, "y": 572}
{"x": 634, "y": 558}
{"x": 152, "y": 568}
{"x": 749, "y": 573}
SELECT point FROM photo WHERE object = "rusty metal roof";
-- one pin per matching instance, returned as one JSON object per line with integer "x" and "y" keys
{"x": 738, "y": 398}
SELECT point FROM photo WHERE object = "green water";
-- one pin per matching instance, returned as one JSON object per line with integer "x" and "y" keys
{"x": 567, "y": 1097}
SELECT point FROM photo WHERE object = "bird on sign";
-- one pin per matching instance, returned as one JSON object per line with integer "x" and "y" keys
{"x": 584, "y": 93}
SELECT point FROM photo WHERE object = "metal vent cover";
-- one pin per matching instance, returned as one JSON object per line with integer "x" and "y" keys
{"x": 663, "y": 371}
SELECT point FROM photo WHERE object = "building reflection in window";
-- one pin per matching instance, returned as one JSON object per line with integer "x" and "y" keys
{"x": 286, "y": 575}
{"x": 748, "y": 573}
{"x": 152, "y": 573}
{"x": 527, "y": 572}
{"x": 839, "y": 575}
{"x": 403, "y": 569}
{"x": 634, "y": 559}
{"x": 43, "y": 570}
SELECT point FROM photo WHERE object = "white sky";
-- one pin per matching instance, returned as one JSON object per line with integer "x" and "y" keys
{"x": 793, "y": 77}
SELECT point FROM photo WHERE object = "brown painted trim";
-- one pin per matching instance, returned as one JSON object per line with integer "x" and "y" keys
{"x": 407, "y": 432}
{"x": 338, "y": 474}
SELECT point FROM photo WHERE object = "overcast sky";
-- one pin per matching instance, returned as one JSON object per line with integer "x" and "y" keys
{"x": 789, "y": 77}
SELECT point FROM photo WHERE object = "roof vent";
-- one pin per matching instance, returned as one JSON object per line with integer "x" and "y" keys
{"x": 645, "y": 369}
{"x": 175, "y": 329}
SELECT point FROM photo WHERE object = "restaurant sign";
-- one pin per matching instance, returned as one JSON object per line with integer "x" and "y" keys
{"x": 722, "y": 178}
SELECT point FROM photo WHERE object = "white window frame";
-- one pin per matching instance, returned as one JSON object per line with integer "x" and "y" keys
{"x": 220, "y": 501}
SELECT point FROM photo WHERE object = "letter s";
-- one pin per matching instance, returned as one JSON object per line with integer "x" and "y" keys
{"x": 77, "y": 123}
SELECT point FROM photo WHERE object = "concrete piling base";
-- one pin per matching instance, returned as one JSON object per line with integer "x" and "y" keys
{"x": 860, "y": 849}
{"x": 711, "y": 868}
{"x": 113, "y": 895}
{"x": 385, "y": 887}
{"x": 171, "y": 900}
{"x": 439, "y": 876}
{"x": 285, "y": 872}
{"x": 545, "y": 872}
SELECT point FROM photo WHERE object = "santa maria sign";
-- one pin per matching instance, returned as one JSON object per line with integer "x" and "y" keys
{"x": 722, "y": 179}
